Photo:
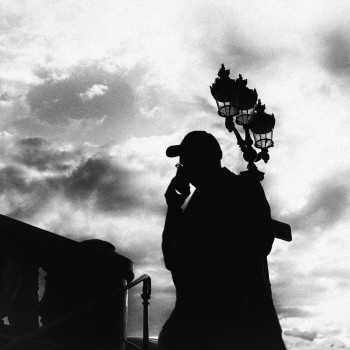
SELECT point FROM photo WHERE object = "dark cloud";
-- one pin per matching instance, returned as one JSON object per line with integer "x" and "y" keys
{"x": 292, "y": 312}
{"x": 11, "y": 178}
{"x": 22, "y": 196}
{"x": 97, "y": 180}
{"x": 108, "y": 186}
{"x": 327, "y": 205}
{"x": 58, "y": 99}
{"x": 232, "y": 47}
{"x": 38, "y": 153}
{"x": 93, "y": 102}
{"x": 90, "y": 180}
{"x": 299, "y": 334}
{"x": 5, "y": 97}
{"x": 249, "y": 56}
{"x": 336, "y": 53}
{"x": 221, "y": 40}
{"x": 240, "y": 57}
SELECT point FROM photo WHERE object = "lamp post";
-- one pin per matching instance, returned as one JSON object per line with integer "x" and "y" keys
{"x": 236, "y": 101}
{"x": 239, "y": 104}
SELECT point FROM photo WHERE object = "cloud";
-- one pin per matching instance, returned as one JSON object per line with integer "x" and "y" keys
{"x": 336, "y": 54}
{"x": 39, "y": 153}
{"x": 21, "y": 197}
{"x": 121, "y": 180}
{"x": 327, "y": 205}
{"x": 239, "y": 54}
{"x": 295, "y": 291}
{"x": 331, "y": 272}
{"x": 94, "y": 91}
{"x": 299, "y": 334}
{"x": 333, "y": 343}
{"x": 220, "y": 40}
{"x": 12, "y": 107}
{"x": 5, "y": 97}
{"x": 86, "y": 193}
{"x": 203, "y": 105}
{"x": 85, "y": 92}
{"x": 100, "y": 102}
{"x": 292, "y": 312}
{"x": 112, "y": 192}
{"x": 109, "y": 185}
{"x": 339, "y": 275}
{"x": 294, "y": 343}
{"x": 246, "y": 56}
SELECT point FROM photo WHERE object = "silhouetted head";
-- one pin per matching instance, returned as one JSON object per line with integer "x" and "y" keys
{"x": 200, "y": 154}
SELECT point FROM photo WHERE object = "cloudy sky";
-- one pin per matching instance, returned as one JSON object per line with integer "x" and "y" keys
{"x": 92, "y": 93}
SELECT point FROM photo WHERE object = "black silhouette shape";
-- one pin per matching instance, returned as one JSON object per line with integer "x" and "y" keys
{"x": 73, "y": 310}
{"x": 215, "y": 249}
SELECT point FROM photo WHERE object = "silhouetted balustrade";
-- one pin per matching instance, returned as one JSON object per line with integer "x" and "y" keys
{"x": 76, "y": 275}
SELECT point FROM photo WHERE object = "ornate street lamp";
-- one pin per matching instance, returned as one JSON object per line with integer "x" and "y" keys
{"x": 236, "y": 101}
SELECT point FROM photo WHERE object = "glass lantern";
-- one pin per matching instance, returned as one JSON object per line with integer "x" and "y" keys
{"x": 246, "y": 102}
{"x": 262, "y": 127}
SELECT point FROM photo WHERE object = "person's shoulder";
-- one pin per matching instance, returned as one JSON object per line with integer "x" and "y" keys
{"x": 250, "y": 183}
{"x": 240, "y": 178}
{"x": 241, "y": 182}
{"x": 228, "y": 174}
{"x": 248, "y": 179}
{"x": 229, "y": 180}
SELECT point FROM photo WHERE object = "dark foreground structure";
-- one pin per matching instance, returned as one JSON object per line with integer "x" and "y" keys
{"x": 82, "y": 302}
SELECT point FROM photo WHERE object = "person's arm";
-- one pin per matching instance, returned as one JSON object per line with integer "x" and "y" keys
{"x": 173, "y": 225}
{"x": 171, "y": 232}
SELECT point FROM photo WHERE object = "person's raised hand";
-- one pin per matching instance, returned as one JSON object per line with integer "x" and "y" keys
{"x": 173, "y": 197}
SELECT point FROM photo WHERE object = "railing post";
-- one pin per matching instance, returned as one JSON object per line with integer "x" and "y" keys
{"x": 146, "y": 295}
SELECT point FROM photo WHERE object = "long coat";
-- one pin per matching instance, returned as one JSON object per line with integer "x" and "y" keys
{"x": 215, "y": 250}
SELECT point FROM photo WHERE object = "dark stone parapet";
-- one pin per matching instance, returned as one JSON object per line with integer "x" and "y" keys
{"x": 73, "y": 275}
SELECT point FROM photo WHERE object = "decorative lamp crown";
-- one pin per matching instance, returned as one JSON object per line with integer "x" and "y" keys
{"x": 224, "y": 91}
{"x": 262, "y": 127}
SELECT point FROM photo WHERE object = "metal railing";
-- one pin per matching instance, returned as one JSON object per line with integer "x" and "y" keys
{"x": 29, "y": 337}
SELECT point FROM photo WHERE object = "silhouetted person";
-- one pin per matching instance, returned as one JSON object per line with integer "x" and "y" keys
{"x": 215, "y": 250}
